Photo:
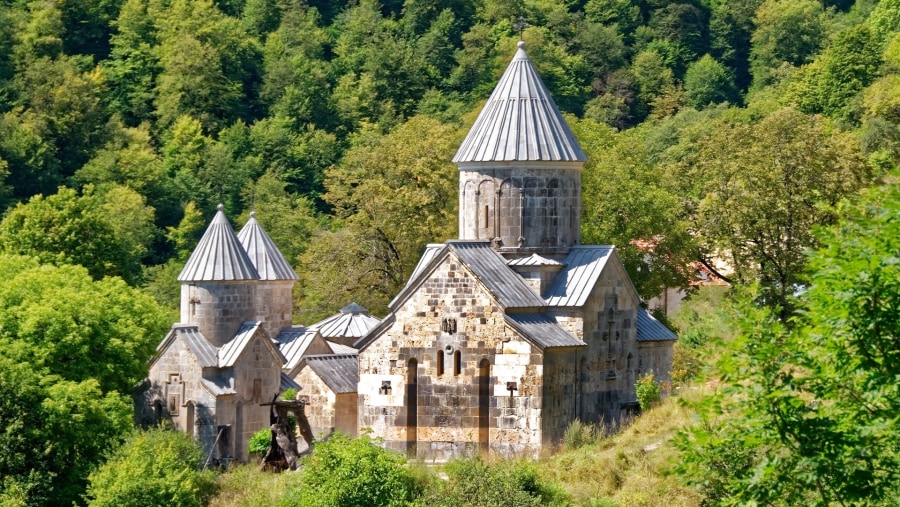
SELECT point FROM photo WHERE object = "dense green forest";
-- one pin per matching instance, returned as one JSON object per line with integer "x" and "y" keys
{"x": 716, "y": 130}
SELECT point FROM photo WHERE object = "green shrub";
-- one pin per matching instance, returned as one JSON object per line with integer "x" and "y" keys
{"x": 579, "y": 434}
{"x": 345, "y": 472}
{"x": 474, "y": 483}
{"x": 259, "y": 441}
{"x": 154, "y": 467}
{"x": 647, "y": 391}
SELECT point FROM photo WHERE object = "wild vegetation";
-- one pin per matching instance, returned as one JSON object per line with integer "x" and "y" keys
{"x": 752, "y": 132}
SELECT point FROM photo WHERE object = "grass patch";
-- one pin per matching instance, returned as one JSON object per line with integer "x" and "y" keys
{"x": 246, "y": 486}
{"x": 628, "y": 468}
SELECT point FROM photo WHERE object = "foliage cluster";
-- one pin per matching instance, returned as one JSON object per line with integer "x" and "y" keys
{"x": 648, "y": 391}
{"x": 353, "y": 473}
{"x": 153, "y": 467}
{"x": 807, "y": 417}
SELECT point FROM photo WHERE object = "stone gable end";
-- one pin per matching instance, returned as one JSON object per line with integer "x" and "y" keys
{"x": 476, "y": 383}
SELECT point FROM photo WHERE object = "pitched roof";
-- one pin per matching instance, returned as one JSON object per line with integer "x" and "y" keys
{"x": 490, "y": 267}
{"x": 288, "y": 383}
{"x": 574, "y": 283}
{"x": 202, "y": 349}
{"x": 231, "y": 351}
{"x": 651, "y": 330}
{"x": 263, "y": 253}
{"x": 293, "y": 343}
{"x": 353, "y": 321}
{"x": 218, "y": 256}
{"x": 520, "y": 122}
{"x": 533, "y": 260}
{"x": 542, "y": 330}
{"x": 219, "y": 385}
{"x": 339, "y": 372}
{"x": 340, "y": 348}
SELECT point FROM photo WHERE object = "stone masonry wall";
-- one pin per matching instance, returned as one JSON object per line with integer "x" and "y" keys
{"x": 257, "y": 379}
{"x": 320, "y": 402}
{"x": 175, "y": 384}
{"x": 460, "y": 405}
{"x": 218, "y": 308}
{"x": 274, "y": 305}
{"x": 540, "y": 204}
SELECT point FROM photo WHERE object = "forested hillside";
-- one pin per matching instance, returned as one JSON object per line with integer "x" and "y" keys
{"x": 715, "y": 129}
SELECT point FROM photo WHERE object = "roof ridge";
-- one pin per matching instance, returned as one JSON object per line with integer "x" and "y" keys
{"x": 219, "y": 256}
{"x": 264, "y": 253}
{"x": 520, "y": 122}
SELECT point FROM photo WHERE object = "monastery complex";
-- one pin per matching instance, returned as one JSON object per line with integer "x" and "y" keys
{"x": 499, "y": 340}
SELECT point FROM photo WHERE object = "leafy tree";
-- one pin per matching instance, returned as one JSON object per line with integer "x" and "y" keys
{"x": 69, "y": 346}
{"x": 153, "y": 467}
{"x": 393, "y": 194}
{"x": 66, "y": 228}
{"x": 627, "y": 203}
{"x": 766, "y": 186}
{"x": 476, "y": 483}
{"x": 811, "y": 407}
{"x": 828, "y": 84}
{"x": 60, "y": 320}
{"x": 353, "y": 473}
{"x": 708, "y": 82}
{"x": 885, "y": 19}
{"x": 787, "y": 31}
{"x": 55, "y": 431}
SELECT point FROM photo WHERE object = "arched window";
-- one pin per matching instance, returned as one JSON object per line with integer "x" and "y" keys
{"x": 484, "y": 396}
{"x": 457, "y": 362}
{"x": 412, "y": 406}
{"x": 440, "y": 362}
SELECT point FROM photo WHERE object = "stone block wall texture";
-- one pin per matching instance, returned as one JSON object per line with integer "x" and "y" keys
{"x": 320, "y": 402}
{"x": 540, "y": 204}
{"x": 274, "y": 305}
{"x": 416, "y": 394}
{"x": 218, "y": 308}
{"x": 257, "y": 379}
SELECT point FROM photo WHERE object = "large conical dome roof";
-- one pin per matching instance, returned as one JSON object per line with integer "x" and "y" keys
{"x": 263, "y": 253}
{"x": 219, "y": 256}
{"x": 520, "y": 122}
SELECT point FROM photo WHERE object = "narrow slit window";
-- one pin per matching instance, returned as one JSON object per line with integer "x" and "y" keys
{"x": 440, "y": 362}
{"x": 457, "y": 363}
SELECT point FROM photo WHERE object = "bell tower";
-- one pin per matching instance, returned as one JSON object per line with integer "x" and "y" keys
{"x": 520, "y": 169}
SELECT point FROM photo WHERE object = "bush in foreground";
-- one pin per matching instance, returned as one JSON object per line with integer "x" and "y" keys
{"x": 354, "y": 472}
{"x": 155, "y": 467}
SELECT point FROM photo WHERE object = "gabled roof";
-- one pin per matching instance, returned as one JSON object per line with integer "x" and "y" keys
{"x": 353, "y": 321}
{"x": 542, "y": 330}
{"x": 263, "y": 253}
{"x": 339, "y": 372}
{"x": 520, "y": 122}
{"x": 196, "y": 343}
{"x": 218, "y": 256}
{"x": 490, "y": 267}
{"x": 533, "y": 260}
{"x": 574, "y": 283}
{"x": 219, "y": 385}
{"x": 231, "y": 351}
{"x": 651, "y": 330}
{"x": 293, "y": 343}
{"x": 288, "y": 383}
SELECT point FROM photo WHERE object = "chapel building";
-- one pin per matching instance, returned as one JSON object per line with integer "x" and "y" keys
{"x": 503, "y": 338}
{"x": 499, "y": 340}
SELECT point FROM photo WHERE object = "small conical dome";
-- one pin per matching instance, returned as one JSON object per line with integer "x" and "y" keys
{"x": 263, "y": 253}
{"x": 219, "y": 256}
{"x": 520, "y": 122}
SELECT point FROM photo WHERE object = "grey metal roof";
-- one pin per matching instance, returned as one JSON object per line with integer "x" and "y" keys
{"x": 353, "y": 321}
{"x": 573, "y": 285}
{"x": 263, "y": 253}
{"x": 651, "y": 330}
{"x": 218, "y": 256}
{"x": 288, "y": 383}
{"x": 231, "y": 351}
{"x": 294, "y": 342}
{"x": 219, "y": 385}
{"x": 340, "y": 348}
{"x": 520, "y": 122}
{"x": 202, "y": 349}
{"x": 542, "y": 330}
{"x": 339, "y": 372}
{"x": 490, "y": 267}
{"x": 533, "y": 260}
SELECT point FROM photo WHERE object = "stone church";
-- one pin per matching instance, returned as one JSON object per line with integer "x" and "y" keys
{"x": 499, "y": 340}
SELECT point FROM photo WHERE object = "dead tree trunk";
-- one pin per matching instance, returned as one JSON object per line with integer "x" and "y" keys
{"x": 282, "y": 453}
